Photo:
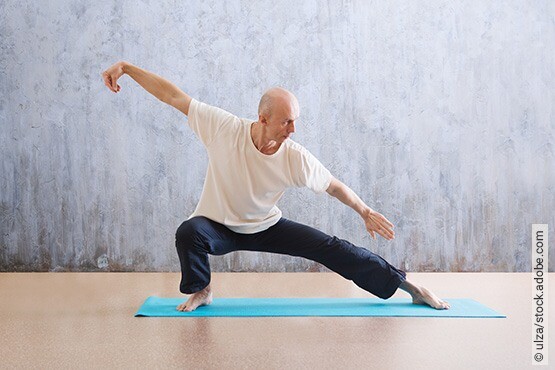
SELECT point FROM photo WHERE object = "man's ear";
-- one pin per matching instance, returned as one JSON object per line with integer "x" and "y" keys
{"x": 262, "y": 119}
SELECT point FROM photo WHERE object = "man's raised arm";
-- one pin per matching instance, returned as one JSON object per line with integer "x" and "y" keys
{"x": 375, "y": 222}
{"x": 161, "y": 88}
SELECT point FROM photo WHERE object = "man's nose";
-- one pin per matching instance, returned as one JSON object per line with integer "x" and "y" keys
{"x": 292, "y": 127}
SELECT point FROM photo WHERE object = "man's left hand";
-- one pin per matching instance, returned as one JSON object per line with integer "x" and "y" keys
{"x": 377, "y": 223}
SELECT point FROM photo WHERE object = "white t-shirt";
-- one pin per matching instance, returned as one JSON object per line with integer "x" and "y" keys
{"x": 243, "y": 185}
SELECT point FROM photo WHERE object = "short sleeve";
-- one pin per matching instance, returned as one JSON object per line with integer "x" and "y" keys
{"x": 206, "y": 121}
{"x": 311, "y": 173}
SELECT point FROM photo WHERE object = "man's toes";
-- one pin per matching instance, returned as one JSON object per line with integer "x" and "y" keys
{"x": 183, "y": 308}
{"x": 442, "y": 305}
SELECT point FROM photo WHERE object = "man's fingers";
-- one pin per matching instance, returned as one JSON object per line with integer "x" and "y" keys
{"x": 385, "y": 232}
{"x": 382, "y": 231}
{"x": 108, "y": 81}
{"x": 385, "y": 220}
{"x": 387, "y": 226}
{"x": 389, "y": 231}
{"x": 379, "y": 218}
{"x": 105, "y": 79}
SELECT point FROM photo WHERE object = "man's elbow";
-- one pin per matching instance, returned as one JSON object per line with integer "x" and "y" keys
{"x": 332, "y": 188}
{"x": 181, "y": 102}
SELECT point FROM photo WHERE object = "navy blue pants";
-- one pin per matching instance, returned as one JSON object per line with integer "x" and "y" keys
{"x": 199, "y": 236}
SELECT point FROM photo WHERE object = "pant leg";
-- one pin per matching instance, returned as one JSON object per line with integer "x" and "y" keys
{"x": 194, "y": 240}
{"x": 199, "y": 236}
{"x": 366, "y": 269}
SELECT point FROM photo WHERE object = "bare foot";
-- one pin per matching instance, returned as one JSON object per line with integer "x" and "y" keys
{"x": 429, "y": 298}
{"x": 422, "y": 295}
{"x": 200, "y": 298}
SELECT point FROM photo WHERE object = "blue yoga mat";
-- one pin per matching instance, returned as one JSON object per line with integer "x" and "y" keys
{"x": 264, "y": 307}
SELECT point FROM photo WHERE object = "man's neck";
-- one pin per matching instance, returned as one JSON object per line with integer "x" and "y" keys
{"x": 261, "y": 142}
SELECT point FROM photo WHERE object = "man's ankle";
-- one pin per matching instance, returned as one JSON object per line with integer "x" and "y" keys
{"x": 410, "y": 288}
{"x": 207, "y": 289}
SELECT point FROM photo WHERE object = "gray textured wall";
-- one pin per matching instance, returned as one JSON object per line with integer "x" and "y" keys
{"x": 438, "y": 113}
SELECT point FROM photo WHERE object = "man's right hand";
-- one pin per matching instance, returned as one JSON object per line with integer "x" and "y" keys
{"x": 111, "y": 76}
{"x": 161, "y": 88}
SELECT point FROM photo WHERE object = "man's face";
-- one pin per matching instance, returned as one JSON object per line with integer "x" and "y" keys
{"x": 281, "y": 123}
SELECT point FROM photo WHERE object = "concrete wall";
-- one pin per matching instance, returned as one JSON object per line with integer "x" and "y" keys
{"x": 438, "y": 113}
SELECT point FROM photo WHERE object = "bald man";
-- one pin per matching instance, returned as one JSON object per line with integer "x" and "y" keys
{"x": 251, "y": 164}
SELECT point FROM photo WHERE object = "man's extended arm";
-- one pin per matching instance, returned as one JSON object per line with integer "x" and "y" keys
{"x": 374, "y": 221}
{"x": 161, "y": 88}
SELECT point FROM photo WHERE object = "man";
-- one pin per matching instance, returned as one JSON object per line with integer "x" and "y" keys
{"x": 251, "y": 164}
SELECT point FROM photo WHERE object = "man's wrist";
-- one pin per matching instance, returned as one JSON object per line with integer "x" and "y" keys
{"x": 125, "y": 67}
{"x": 365, "y": 211}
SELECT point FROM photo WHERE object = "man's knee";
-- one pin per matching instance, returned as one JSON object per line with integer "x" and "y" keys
{"x": 190, "y": 228}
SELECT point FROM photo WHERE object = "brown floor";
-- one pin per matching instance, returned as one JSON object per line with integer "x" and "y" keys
{"x": 85, "y": 320}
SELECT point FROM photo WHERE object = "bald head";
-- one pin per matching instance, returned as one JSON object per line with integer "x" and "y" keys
{"x": 277, "y": 112}
{"x": 274, "y": 98}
